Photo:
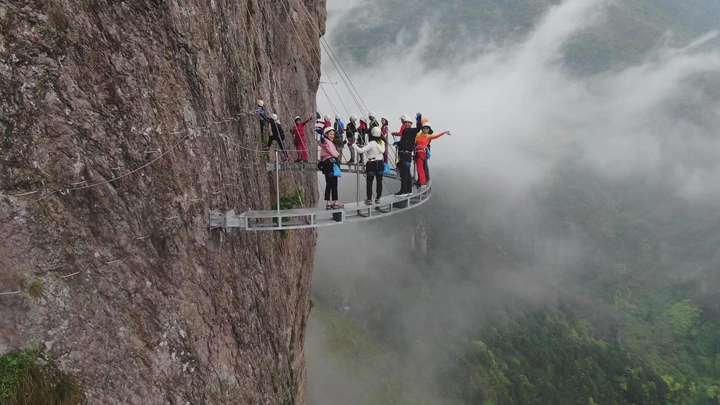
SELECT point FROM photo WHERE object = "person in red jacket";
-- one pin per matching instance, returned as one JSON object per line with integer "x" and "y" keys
{"x": 300, "y": 139}
{"x": 405, "y": 122}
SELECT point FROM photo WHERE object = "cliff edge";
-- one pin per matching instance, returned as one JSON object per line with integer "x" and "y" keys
{"x": 122, "y": 124}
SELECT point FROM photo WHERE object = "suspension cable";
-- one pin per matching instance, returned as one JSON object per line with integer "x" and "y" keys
{"x": 317, "y": 52}
{"x": 344, "y": 75}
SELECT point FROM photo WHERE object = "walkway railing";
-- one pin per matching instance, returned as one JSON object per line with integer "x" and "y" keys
{"x": 304, "y": 218}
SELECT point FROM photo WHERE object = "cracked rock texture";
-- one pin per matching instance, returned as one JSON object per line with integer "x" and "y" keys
{"x": 122, "y": 282}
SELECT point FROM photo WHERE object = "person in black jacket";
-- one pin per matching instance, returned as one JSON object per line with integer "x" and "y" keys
{"x": 351, "y": 134}
{"x": 406, "y": 148}
{"x": 262, "y": 115}
{"x": 278, "y": 135}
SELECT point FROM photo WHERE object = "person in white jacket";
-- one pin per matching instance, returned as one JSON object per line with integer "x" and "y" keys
{"x": 375, "y": 166}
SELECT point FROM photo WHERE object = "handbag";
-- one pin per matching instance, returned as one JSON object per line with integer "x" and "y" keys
{"x": 336, "y": 170}
{"x": 326, "y": 166}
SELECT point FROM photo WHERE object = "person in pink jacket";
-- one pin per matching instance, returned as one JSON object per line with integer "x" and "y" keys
{"x": 329, "y": 158}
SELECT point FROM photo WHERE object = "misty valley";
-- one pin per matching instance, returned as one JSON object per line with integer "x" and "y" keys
{"x": 570, "y": 252}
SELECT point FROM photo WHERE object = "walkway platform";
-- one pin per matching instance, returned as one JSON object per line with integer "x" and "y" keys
{"x": 305, "y": 218}
{"x": 273, "y": 220}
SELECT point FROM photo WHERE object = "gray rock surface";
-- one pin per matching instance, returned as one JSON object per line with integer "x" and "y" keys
{"x": 157, "y": 308}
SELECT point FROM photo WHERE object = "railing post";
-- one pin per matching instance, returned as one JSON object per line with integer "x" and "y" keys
{"x": 413, "y": 171}
{"x": 277, "y": 182}
{"x": 357, "y": 183}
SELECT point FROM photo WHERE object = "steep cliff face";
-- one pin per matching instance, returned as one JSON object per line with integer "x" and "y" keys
{"x": 122, "y": 282}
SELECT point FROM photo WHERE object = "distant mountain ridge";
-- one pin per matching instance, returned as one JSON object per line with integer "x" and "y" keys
{"x": 461, "y": 28}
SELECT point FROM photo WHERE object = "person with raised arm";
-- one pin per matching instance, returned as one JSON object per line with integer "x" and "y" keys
{"x": 422, "y": 141}
{"x": 300, "y": 140}
{"x": 406, "y": 151}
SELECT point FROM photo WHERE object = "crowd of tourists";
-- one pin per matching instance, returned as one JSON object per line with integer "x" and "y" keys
{"x": 368, "y": 143}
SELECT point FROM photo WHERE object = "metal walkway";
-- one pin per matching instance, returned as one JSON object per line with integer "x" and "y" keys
{"x": 304, "y": 218}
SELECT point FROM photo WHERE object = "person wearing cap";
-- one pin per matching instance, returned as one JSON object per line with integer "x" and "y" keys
{"x": 420, "y": 122}
{"x": 422, "y": 141}
{"x": 351, "y": 131}
{"x": 375, "y": 167}
{"x": 300, "y": 141}
{"x": 406, "y": 150}
{"x": 328, "y": 158}
{"x": 262, "y": 115}
{"x": 278, "y": 135}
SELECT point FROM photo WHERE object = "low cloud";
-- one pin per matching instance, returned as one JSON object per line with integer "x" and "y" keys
{"x": 517, "y": 111}
{"x": 519, "y": 116}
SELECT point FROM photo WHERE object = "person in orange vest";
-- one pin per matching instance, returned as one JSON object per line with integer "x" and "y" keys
{"x": 422, "y": 141}
{"x": 420, "y": 122}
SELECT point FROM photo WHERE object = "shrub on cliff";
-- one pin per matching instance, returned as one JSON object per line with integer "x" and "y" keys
{"x": 29, "y": 377}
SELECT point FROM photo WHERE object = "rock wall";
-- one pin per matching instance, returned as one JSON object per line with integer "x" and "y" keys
{"x": 121, "y": 281}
